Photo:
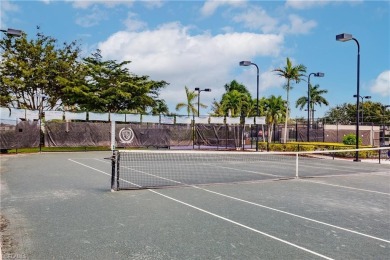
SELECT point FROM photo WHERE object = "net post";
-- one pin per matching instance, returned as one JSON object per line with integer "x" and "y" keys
{"x": 113, "y": 171}
{"x": 296, "y": 165}
{"x": 117, "y": 157}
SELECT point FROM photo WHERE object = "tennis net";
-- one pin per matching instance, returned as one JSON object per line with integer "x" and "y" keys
{"x": 140, "y": 169}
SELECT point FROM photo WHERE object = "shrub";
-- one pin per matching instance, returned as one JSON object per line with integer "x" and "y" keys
{"x": 350, "y": 139}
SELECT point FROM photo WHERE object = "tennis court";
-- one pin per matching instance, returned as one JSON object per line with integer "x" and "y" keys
{"x": 59, "y": 206}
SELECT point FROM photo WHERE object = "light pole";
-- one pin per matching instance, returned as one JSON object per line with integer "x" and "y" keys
{"x": 248, "y": 63}
{"x": 14, "y": 32}
{"x": 362, "y": 97}
{"x": 200, "y": 90}
{"x": 343, "y": 38}
{"x": 317, "y": 74}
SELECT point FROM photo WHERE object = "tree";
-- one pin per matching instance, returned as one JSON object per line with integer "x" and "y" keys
{"x": 316, "y": 98}
{"x": 217, "y": 109}
{"x": 189, "y": 105}
{"x": 274, "y": 110}
{"x": 291, "y": 74}
{"x": 32, "y": 69}
{"x": 234, "y": 85}
{"x": 374, "y": 112}
{"x": 160, "y": 108}
{"x": 110, "y": 87}
{"x": 235, "y": 102}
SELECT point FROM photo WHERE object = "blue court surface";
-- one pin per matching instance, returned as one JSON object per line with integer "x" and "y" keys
{"x": 60, "y": 206}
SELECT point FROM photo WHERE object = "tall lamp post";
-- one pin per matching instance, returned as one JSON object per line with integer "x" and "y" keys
{"x": 200, "y": 90}
{"x": 362, "y": 97}
{"x": 248, "y": 63}
{"x": 343, "y": 38}
{"x": 317, "y": 74}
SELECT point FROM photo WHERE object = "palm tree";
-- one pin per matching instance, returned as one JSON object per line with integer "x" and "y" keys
{"x": 234, "y": 85}
{"x": 316, "y": 98}
{"x": 190, "y": 105}
{"x": 290, "y": 73}
{"x": 160, "y": 107}
{"x": 235, "y": 101}
{"x": 274, "y": 110}
{"x": 217, "y": 109}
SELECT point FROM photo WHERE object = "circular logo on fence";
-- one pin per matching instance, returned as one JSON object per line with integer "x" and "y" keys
{"x": 126, "y": 135}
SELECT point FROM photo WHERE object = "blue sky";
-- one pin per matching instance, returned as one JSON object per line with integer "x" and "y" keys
{"x": 200, "y": 43}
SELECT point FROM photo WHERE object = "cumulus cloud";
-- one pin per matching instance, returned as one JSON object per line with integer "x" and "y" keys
{"x": 132, "y": 22}
{"x": 257, "y": 18}
{"x": 307, "y": 4}
{"x": 93, "y": 18}
{"x": 171, "y": 53}
{"x": 300, "y": 4}
{"x": 381, "y": 84}
{"x": 84, "y": 4}
{"x": 210, "y": 6}
{"x": 6, "y": 8}
{"x": 154, "y": 3}
{"x": 298, "y": 25}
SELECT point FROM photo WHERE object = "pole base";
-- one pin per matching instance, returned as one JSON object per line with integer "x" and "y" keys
{"x": 357, "y": 160}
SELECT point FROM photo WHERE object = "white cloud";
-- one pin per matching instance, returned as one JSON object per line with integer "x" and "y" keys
{"x": 257, "y": 18}
{"x": 307, "y": 4}
{"x": 84, "y": 4}
{"x": 93, "y": 18}
{"x": 298, "y": 25}
{"x": 154, "y": 3}
{"x": 134, "y": 24}
{"x": 381, "y": 84}
{"x": 6, "y": 8}
{"x": 210, "y": 6}
{"x": 269, "y": 79}
{"x": 171, "y": 53}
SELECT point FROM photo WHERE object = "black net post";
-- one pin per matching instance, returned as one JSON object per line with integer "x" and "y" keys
{"x": 117, "y": 160}
{"x": 114, "y": 171}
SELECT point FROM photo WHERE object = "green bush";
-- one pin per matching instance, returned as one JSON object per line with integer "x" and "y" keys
{"x": 350, "y": 139}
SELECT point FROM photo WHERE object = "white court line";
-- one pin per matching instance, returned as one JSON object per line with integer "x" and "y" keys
{"x": 346, "y": 187}
{"x": 220, "y": 217}
{"x": 242, "y": 225}
{"x": 294, "y": 215}
{"x": 281, "y": 211}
